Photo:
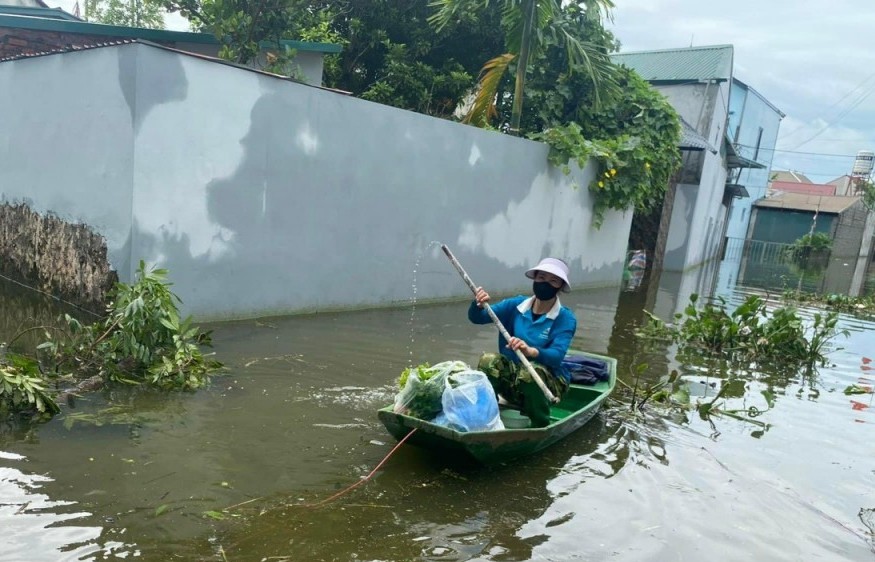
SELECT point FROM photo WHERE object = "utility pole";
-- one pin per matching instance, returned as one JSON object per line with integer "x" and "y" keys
{"x": 810, "y": 236}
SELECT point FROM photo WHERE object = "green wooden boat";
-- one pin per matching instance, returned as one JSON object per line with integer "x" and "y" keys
{"x": 578, "y": 406}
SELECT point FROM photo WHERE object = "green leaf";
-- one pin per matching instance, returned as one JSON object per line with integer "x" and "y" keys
{"x": 857, "y": 389}
{"x": 681, "y": 396}
{"x": 217, "y": 515}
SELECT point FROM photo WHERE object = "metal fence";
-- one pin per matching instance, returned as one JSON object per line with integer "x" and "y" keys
{"x": 771, "y": 265}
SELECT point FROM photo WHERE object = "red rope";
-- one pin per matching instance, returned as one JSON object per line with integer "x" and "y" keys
{"x": 363, "y": 480}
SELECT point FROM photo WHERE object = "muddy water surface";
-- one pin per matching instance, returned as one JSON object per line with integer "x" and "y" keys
{"x": 221, "y": 474}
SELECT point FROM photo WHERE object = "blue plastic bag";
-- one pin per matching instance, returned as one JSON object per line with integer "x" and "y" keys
{"x": 469, "y": 403}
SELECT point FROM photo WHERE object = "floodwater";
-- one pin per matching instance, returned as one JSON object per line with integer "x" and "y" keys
{"x": 224, "y": 473}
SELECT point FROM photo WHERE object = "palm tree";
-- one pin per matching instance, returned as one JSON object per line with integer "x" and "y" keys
{"x": 530, "y": 24}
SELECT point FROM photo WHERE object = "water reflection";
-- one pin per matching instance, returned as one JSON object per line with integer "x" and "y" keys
{"x": 222, "y": 472}
{"x": 36, "y": 527}
{"x": 22, "y": 309}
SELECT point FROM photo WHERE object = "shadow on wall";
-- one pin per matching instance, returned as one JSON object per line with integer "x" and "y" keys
{"x": 678, "y": 240}
{"x": 309, "y": 172}
{"x": 310, "y": 194}
{"x": 142, "y": 98}
{"x": 65, "y": 260}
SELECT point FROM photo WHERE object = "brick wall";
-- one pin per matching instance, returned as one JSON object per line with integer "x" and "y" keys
{"x": 15, "y": 42}
{"x": 849, "y": 232}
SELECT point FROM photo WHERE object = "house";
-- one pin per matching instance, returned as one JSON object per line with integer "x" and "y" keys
{"x": 29, "y": 28}
{"x": 752, "y": 135}
{"x": 729, "y": 130}
{"x": 850, "y": 184}
{"x": 843, "y": 185}
{"x": 789, "y": 176}
{"x": 777, "y": 187}
{"x": 780, "y": 221}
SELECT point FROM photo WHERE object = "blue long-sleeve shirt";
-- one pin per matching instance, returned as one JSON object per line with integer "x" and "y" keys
{"x": 551, "y": 333}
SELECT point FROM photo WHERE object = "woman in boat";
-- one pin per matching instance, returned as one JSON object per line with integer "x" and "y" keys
{"x": 542, "y": 329}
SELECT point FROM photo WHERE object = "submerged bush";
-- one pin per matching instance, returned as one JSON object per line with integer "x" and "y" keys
{"x": 810, "y": 252}
{"x": 23, "y": 389}
{"x": 750, "y": 333}
{"x": 141, "y": 340}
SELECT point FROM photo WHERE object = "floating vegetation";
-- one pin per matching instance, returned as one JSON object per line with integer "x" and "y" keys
{"x": 839, "y": 303}
{"x": 710, "y": 396}
{"x": 140, "y": 341}
{"x": 749, "y": 334}
{"x": 858, "y": 389}
{"x": 750, "y": 354}
{"x": 23, "y": 389}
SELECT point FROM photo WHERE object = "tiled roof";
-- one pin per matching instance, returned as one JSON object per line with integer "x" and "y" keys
{"x": 805, "y": 202}
{"x": 790, "y": 176}
{"x": 68, "y": 49}
{"x": 796, "y": 187}
{"x": 687, "y": 64}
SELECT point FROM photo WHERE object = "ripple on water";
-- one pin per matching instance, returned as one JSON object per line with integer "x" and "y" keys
{"x": 36, "y": 527}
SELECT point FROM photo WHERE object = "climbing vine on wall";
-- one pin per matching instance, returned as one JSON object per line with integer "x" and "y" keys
{"x": 634, "y": 139}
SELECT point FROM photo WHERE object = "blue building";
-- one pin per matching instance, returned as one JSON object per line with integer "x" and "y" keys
{"x": 727, "y": 169}
{"x": 752, "y": 132}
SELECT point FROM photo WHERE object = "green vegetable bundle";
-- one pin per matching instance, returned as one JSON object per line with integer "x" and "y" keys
{"x": 422, "y": 388}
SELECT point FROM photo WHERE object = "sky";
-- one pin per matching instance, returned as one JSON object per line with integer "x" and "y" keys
{"x": 815, "y": 61}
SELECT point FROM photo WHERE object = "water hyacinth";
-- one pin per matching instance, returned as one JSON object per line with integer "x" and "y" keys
{"x": 750, "y": 333}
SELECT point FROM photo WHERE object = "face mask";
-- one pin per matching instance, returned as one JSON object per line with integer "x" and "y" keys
{"x": 544, "y": 291}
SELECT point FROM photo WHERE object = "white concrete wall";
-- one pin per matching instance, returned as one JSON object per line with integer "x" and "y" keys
{"x": 264, "y": 196}
{"x": 698, "y": 216}
{"x": 696, "y": 102}
{"x": 66, "y": 142}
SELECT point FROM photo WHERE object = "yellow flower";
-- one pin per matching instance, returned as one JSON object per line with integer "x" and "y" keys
{"x": 613, "y": 172}
{"x": 607, "y": 175}
{"x": 647, "y": 165}
{"x": 601, "y": 184}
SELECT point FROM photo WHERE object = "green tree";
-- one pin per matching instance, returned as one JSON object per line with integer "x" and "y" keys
{"x": 531, "y": 26}
{"x": 130, "y": 13}
{"x": 243, "y": 26}
{"x": 392, "y": 55}
{"x": 634, "y": 135}
{"x": 866, "y": 188}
